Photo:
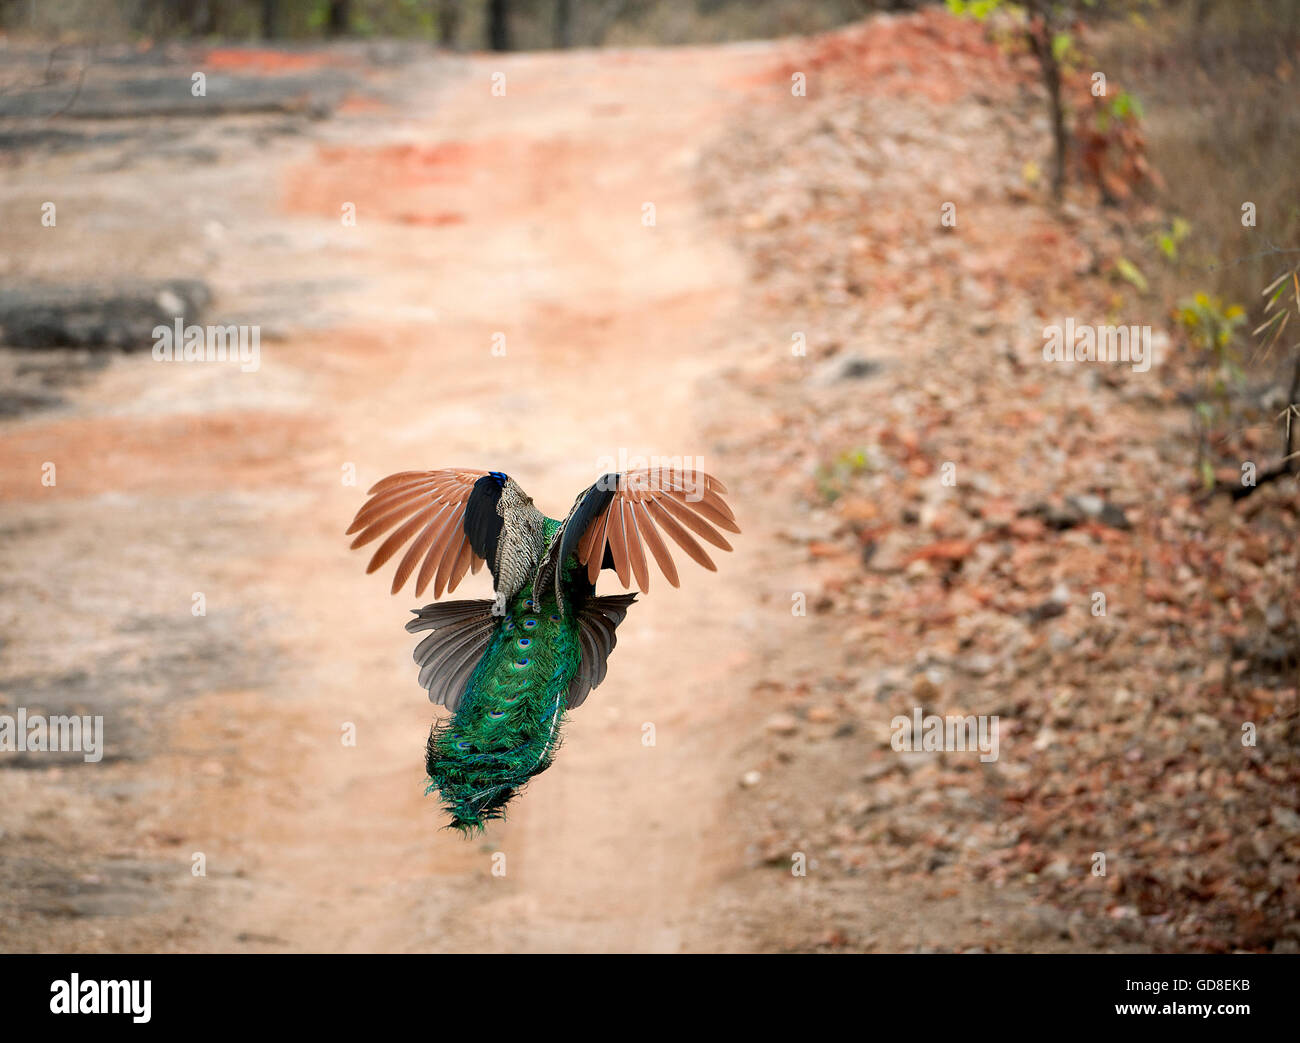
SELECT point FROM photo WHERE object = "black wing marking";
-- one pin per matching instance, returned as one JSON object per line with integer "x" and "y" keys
{"x": 589, "y": 506}
{"x": 482, "y": 520}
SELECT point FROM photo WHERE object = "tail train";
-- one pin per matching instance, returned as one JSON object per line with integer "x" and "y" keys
{"x": 509, "y": 680}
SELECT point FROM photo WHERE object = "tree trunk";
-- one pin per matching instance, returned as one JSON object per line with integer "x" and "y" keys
{"x": 563, "y": 24}
{"x": 499, "y": 25}
{"x": 1040, "y": 41}
{"x": 1052, "y": 74}
{"x": 448, "y": 22}
{"x": 269, "y": 10}
{"x": 340, "y": 18}
{"x": 203, "y": 18}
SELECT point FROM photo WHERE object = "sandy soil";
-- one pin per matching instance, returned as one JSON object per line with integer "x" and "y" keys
{"x": 475, "y": 215}
{"x": 481, "y": 217}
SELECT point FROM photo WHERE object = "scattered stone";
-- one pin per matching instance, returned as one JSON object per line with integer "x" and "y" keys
{"x": 1099, "y": 510}
{"x": 844, "y": 367}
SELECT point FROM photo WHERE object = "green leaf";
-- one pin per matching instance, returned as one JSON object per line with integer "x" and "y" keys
{"x": 1129, "y": 272}
{"x": 1125, "y": 105}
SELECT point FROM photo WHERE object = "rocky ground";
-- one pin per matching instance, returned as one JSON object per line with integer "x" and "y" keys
{"x": 929, "y": 511}
{"x": 1121, "y": 720}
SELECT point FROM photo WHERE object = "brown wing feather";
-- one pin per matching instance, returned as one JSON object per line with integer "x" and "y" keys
{"x": 588, "y": 538}
{"x": 685, "y": 514}
{"x": 377, "y": 524}
{"x": 428, "y": 509}
{"x": 434, "y": 556}
{"x": 400, "y": 535}
{"x": 403, "y": 478}
{"x": 596, "y": 554}
{"x": 701, "y": 492}
{"x": 678, "y": 501}
{"x": 418, "y": 547}
{"x": 710, "y": 505}
{"x": 618, "y": 540}
{"x": 634, "y": 550}
{"x": 448, "y": 564}
{"x": 463, "y": 559}
{"x": 646, "y": 526}
{"x": 390, "y": 499}
{"x": 680, "y": 536}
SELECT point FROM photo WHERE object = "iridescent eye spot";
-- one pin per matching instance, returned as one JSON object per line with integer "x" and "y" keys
{"x": 554, "y": 618}
{"x": 521, "y": 663}
{"x": 529, "y": 624}
{"x": 509, "y": 625}
{"x": 462, "y": 746}
{"x": 524, "y": 642}
{"x": 496, "y": 715}
{"x": 528, "y": 603}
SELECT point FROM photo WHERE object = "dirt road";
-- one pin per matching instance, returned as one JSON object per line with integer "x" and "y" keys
{"x": 447, "y": 275}
{"x": 476, "y": 215}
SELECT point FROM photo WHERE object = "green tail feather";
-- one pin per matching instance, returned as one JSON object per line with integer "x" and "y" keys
{"x": 507, "y": 727}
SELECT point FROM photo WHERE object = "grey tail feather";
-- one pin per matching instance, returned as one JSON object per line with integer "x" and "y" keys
{"x": 598, "y": 618}
{"x": 460, "y": 633}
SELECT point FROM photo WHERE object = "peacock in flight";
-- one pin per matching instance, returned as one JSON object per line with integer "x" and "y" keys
{"x": 509, "y": 668}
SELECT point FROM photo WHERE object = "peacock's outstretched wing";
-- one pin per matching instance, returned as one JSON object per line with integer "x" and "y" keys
{"x": 454, "y": 520}
{"x": 616, "y": 524}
